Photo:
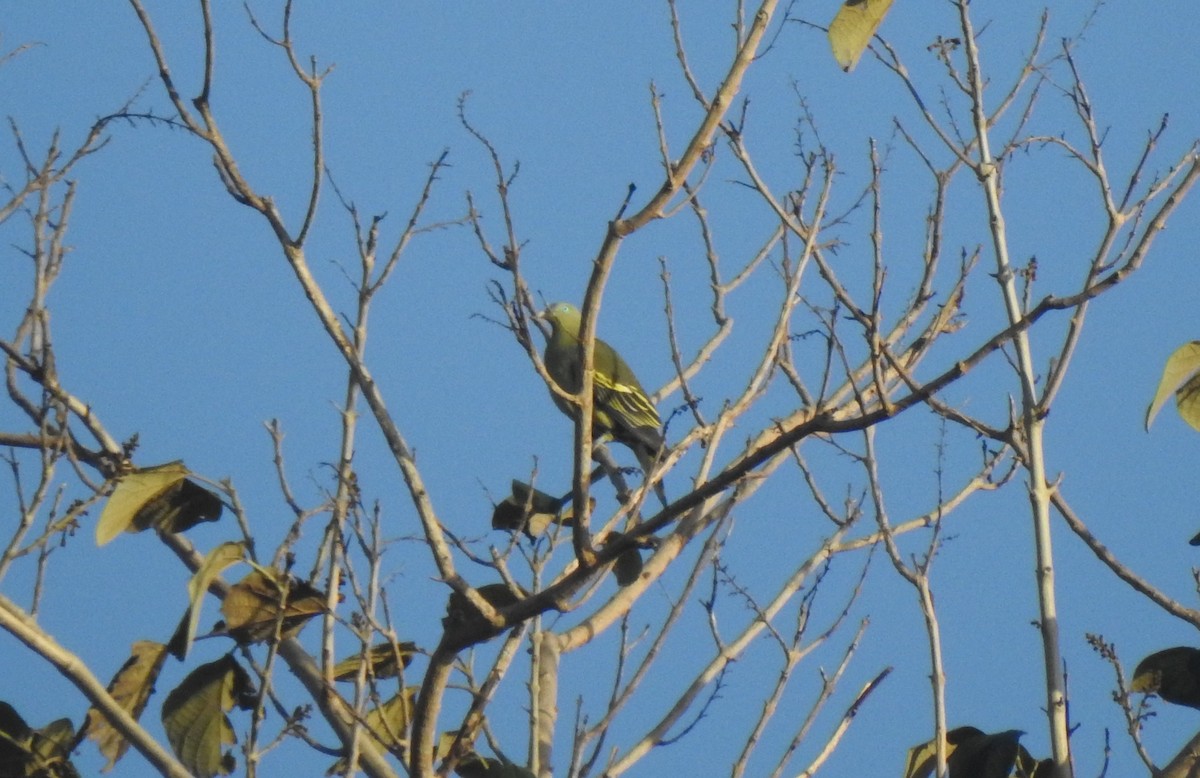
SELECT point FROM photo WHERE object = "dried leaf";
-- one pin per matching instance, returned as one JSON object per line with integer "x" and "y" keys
{"x": 159, "y": 497}
{"x": 193, "y": 716}
{"x": 253, "y": 605}
{"x": 852, "y": 29}
{"x": 131, "y": 687}
{"x": 380, "y": 658}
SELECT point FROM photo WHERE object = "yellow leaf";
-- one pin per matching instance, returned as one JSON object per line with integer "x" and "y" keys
{"x": 193, "y": 716}
{"x": 851, "y": 30}
{"x": 131, "y": 687}
{"x": 1180, "y": 377}
{"x": 133, "y": 491}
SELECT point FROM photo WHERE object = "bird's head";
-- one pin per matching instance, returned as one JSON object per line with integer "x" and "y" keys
{"x": 562, "y": 315}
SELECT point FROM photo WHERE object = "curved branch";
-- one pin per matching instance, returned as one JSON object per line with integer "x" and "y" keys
{"x": 15, "y": 621}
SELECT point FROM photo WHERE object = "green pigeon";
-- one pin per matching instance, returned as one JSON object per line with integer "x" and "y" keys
{"x": 620, "y": 406}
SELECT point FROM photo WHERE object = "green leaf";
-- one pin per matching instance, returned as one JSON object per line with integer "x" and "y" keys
{"x": 253, "y": 606}
{"x": 193, "y": 716}
{"x": 1181, "y": 378}
{"x": 381, "y": 659}
{"x": 1173, "y": 674}
{"x": 851, "y": 30}
{"x": 131, "y": 687}
{"x": 973, "y": 754}
{"x": 159, "y": 497}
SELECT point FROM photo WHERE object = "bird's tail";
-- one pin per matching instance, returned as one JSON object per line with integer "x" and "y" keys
{"x": 647, "y": 458}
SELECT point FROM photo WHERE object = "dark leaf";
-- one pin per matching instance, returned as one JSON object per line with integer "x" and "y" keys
{"x": 178, "y": 508}
{"x": 15, "y": 736}
{"x": 628, "y": 566}
{"x": 1173, "y": 674}
{"x": 988, "y": 756}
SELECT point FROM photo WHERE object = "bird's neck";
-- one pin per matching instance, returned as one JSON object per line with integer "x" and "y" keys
{"x": 562, "y": 337}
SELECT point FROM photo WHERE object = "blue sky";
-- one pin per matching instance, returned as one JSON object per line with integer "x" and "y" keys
{"x": 178, "y": 320}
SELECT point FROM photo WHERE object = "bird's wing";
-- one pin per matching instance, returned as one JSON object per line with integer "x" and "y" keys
{"x": 619, "y": 393}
